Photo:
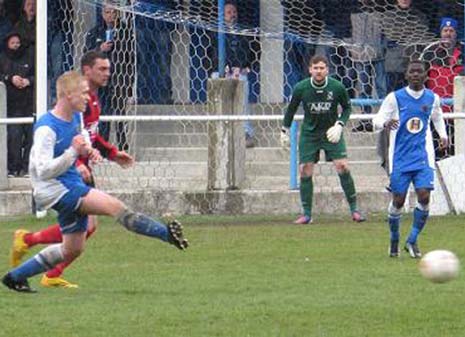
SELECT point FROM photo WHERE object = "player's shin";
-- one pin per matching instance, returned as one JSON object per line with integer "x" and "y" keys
{"x": 394, "y": 215}
{"x": 420, "y": 216}
{"x": 306, "y": 195}
{"x": 45, "y": 260}
{"x": 142, "y": 224}
{"x": 348, "y": 186}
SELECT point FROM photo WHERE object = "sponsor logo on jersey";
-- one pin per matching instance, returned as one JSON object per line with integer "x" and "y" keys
{"x": 320, "y": 107}
{"x": 414, "y": 125}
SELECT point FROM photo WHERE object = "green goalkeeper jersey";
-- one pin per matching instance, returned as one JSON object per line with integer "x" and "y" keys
{"x": 321, "y": 105}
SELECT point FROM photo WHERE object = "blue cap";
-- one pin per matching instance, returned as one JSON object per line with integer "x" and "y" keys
{"x": 448, "y": 22}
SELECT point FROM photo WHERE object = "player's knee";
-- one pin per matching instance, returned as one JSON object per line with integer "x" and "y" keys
{"x": 306, "y": 170}
{"x": 72, "y": 253}
{"x": 342, "y": 167}
{"x": 423, "y": 198}
{"x": 398, "y": 202}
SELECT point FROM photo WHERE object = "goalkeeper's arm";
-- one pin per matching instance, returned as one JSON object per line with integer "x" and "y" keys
{"x": 292, "y": 107}
{"x": 289, "y": 116}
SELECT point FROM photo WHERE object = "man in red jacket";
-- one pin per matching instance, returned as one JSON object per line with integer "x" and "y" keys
{"x": 444, "y": 60}
{"x": 95, "y": 67}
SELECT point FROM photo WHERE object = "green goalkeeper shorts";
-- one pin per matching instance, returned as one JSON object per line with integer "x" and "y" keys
{"x": 309, "y": 149}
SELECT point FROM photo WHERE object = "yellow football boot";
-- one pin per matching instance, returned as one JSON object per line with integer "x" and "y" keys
{"x": 19, "y": 247}
{"x": 56, "y": 282}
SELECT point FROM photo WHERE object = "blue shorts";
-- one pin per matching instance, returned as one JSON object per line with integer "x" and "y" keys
{"x": 70, "y": 220}
{"x": 400, "y": 181}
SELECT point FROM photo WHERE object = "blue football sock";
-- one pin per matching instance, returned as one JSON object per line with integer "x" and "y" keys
{"x": 394, "y": 224}
{"x": 46, "y": 259}
{"x": 142, "y": 224}
{"x": 419, "y": 221}
{"x": 27, "y": 269}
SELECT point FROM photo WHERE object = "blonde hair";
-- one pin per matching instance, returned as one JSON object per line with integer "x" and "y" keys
{"x": 68, "y": 82}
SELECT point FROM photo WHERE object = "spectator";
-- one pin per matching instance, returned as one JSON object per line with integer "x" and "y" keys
{"x": 5, "y": 23}
{"x": 154, "y": 48}
{"x": 366, "y": 50}
{"x": 17, "y": 72}
{"x": 26, "y": 26}
{"x": 13, "y": 10}
{"x": 297, "y": 48}
{"x": 338, "y": 28}
{"x": 116, "y": 39}
{"x": 405, "y": 29}
{"x": 241, "y": 55}
{"x": 435, "y": 10}
{"x": 445, "y": 61}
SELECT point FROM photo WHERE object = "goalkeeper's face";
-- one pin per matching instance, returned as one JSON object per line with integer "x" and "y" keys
{"x": 318, "y": 71}
{"x": 99, "y": 74}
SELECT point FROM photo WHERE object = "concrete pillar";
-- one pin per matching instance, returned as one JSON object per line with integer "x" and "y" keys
{"x": 459, "y": 106}
{"x": 226, "y": 140}
{"x": 3, "y": 140}
{"x": 272, "y": 53}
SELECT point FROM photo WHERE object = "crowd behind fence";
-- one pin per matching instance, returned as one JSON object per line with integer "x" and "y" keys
{"x": 164, "y": 52}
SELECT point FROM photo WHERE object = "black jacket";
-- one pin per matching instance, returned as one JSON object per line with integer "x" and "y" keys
{"x": 20, "y": 102}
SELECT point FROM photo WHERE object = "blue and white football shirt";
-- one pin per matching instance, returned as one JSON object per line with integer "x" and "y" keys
{"x": 411, "y": 145}
{"x": 52, "y": 159}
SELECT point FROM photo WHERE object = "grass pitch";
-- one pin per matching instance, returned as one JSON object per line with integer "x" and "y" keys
{"x": 244, "y": 276}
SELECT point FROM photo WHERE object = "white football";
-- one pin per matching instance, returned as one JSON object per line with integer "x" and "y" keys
{"x": 439, "y": 266}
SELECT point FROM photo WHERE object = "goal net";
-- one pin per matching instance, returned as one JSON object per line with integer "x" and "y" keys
{"x": 164, "y": 53}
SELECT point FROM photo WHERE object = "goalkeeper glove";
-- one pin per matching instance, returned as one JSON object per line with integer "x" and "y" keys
{"x": 334, "y": 133}
{"x": 285, "y": 140}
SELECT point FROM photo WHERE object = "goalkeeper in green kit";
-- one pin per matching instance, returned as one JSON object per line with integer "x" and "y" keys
{"x": 321, "y": 129}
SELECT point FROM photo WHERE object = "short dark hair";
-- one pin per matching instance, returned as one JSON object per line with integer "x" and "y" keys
{"x": 417, "y": 61}
{"x": 317, "y": 59}
{"x": 88, "y": 59}
{"x": 231, "y": 2}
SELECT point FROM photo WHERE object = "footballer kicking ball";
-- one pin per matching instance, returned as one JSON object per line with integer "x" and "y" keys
{"x": 439, "y": 266}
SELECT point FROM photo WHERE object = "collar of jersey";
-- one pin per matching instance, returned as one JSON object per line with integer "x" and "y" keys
{"x": 317, "y": 87}
{"x": 415, "y": 94}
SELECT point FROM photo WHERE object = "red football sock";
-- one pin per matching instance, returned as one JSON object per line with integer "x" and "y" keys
{"x": 51, "y": 234}
{"x": 59, "y": 268}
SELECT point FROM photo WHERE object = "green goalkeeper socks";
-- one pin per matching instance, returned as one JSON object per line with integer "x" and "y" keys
{"x": 348, "y": 186}
{"x": 306, "y": 194}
